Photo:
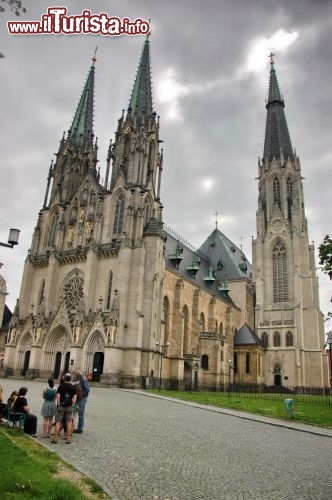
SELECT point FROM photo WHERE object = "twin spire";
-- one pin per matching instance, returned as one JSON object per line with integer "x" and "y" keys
{"x": 82, "y": 125}
{"x": 277, "y": 139}
{"x": 140, "y": 101}
{"x": 141, "y": 96}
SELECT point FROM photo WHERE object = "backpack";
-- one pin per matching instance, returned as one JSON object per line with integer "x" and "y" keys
{"x": 66, "y": 399}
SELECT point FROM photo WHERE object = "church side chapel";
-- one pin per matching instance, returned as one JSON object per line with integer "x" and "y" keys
{"x": 108, "y": 289}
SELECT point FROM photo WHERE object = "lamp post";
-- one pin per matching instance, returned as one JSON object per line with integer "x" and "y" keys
{"x": 230, "y": 367}
{"x": 161, "y": 350}
{"x": 12, "y": 238}
{"x": 329, "y": 343}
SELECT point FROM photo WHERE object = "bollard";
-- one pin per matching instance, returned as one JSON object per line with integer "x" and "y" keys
{"x": 289, "y": 407}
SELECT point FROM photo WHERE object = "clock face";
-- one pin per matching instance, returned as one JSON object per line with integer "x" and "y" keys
{"x": 126, "y": 130}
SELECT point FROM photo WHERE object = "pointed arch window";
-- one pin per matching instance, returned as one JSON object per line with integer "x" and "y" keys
{"x": 265, "y": 339}
{"x": 280, "y": 274}
{"x": 247, "y": 362}
{"x": 41, "y": 292}
{"x": 109, "y": 290}
{"x": 289, "y": 339}
{"x": 202, "y": 319}
{"x": 276, "y": 339}
{"x": 147, "y": 213}
{"x": 221, "y": 328}
{"x": 119, "y": 214}
{"x": 126, "y": 153}
{"x": 151, "y": 156}
{"x": 205, "y": 362}
{"x": 276, "y": 192}
{"x": 166, "y": 318}
{"x": 53, "y": 230}
{"x": 289, "y": 196}
{"x": 186, "y": 340}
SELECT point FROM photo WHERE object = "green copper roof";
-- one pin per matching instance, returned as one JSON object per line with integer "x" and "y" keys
{"x": 82, "y": 126}
{"x": 277, "y": 139}
{"x": 141, "y": 97}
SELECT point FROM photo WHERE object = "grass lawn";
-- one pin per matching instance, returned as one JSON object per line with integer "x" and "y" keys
{"x": 29, "y": 471}
{"x": 307, "y": 410}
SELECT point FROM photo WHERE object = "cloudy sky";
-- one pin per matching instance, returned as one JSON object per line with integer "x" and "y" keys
{"x": 210, "y": 71}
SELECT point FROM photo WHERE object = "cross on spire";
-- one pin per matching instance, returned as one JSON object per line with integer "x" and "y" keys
{"x": 94, "y": 59}
{"x": 271, "y": 55}
{"x": 149, "y": 34}
{"x": 216, "y": 221}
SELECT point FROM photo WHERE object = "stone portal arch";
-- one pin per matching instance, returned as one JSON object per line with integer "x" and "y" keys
{"x": 57, "y": 351}
{"x": 95, "y": 352}
{"x": 277, "y": 374}
{"x": 24, "y": 351}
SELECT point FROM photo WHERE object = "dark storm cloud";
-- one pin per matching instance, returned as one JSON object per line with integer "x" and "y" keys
{"x": 212, "y": 146}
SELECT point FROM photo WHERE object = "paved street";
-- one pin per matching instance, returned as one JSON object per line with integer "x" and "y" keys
{"x": 139, "y": 447}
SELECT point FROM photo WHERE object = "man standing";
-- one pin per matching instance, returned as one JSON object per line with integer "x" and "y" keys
{"x": 65, "y": 399}
{"x": 85, "y": 389}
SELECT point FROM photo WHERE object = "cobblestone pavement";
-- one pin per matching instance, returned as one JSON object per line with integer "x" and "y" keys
{"x": 139, "y": 447}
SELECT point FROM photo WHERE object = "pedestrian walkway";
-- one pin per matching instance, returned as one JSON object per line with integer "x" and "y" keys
{"x": 141, "y": 446}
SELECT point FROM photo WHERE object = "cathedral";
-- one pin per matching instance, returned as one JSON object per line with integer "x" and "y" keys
{"x": 109, "y": 289}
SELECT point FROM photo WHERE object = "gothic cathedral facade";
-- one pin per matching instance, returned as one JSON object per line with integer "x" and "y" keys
{"x": 109, "y": 290}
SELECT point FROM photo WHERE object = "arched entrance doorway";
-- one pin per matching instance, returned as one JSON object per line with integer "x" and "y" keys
{"x": 57, "y": 365}
{"x": 277, "y": 375}
{"x": 95, "y": 356}
{"x": 98, "y": 366}
{"x": 24, "y": 354}
{"x": 57, "y": 352}
{"x": 26, "y": 363}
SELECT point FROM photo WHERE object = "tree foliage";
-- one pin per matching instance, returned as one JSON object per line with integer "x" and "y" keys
{"x": 325, "y": 256}
{"x": 14, "y": 5}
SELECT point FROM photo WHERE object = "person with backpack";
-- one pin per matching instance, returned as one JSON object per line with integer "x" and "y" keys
{"x": 65, "y": 400}
{"x": 85, "y": 389}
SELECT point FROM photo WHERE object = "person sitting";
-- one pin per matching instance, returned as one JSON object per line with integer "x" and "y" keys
{"x": 3, "y": 406}
{"x": 21, "y": 406}
{"x": 11, "y": 400}
{"x": 65, "y": 399}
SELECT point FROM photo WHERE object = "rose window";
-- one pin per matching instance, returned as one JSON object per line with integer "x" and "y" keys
{"x": 73, "y": 292}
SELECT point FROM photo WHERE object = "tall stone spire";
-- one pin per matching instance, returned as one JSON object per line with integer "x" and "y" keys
{"x": 141, "y": 97}
{"x": 82, "y": 125}
{"x": 277, "y": 140}
{"x": 77, "y": 154}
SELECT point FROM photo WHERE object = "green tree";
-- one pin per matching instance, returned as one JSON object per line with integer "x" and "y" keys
{"x": 15, "y": 6}
{"x": 325, "y": 256}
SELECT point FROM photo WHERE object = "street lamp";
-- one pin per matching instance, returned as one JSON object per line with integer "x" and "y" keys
{"x": 12, "y": 238}
{"x": 230, "y": 367}
{"x": 161, "y": 350}
{"x": 329, "y": 343}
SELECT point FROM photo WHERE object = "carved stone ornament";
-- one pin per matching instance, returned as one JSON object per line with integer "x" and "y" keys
{"x": 98, "y": 344}
{"x": 73, "y": 292}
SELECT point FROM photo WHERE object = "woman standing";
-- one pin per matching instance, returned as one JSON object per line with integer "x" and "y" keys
{"x": 49, "y": 407}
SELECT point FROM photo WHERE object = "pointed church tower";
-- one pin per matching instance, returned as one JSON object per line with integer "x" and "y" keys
{"x": 287, "y": 315}
{"x": 91, "y": 292}
{"x": 136, "y": 222}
